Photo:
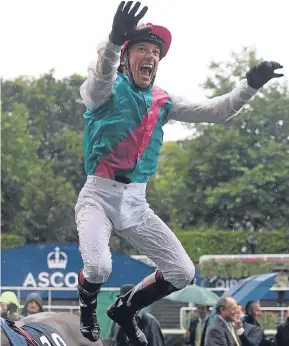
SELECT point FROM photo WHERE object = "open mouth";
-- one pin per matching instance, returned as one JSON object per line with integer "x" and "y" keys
{"x": 146, "y": 70}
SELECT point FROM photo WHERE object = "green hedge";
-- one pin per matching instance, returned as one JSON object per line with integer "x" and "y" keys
{"x": 214, "y": 242}
{"x": 237, "y": 269}
{"x": 11, "y": 240}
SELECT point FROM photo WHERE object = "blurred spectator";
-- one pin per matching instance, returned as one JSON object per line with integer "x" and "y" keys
{"x": 3, "y": 310}
{"x": 252, "y": 313}
{"x": 249, "y": 334}
{"x": 222, "y": 332}
{"x": 189, "y": 316}
{"x": 13, "y": 312}
{"x": 282, "y": 336}
{"x": 195, "y": 335}
{"x": 33, "y": 305}
{"x": 254, "y": 334}
{"x": 6, "y": 299}
{"x": 146, "y": 322}
{"x": 241, "y": 311}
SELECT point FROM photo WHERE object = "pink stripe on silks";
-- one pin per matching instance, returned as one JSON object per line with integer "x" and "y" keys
{"x": 131, "y": 148}
{"x": 153, "y": 117}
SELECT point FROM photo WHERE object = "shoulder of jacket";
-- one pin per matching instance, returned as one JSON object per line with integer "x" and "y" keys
{"x": 149, "y": 316}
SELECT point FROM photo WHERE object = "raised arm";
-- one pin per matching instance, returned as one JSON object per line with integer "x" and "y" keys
{"x": 215, "y": 110}
{"x": 222, "y": 108}
{"x": 98, "y": 86}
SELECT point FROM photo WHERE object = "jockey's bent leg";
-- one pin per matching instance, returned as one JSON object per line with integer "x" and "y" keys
{"x": 94, "y": 229}
{"x": 152, "y": 237}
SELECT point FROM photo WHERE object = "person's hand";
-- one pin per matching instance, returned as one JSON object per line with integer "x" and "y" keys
{"x": 260, "y": 74}
{"x": 238, "y": 324}
{"x": 125, "y": 22}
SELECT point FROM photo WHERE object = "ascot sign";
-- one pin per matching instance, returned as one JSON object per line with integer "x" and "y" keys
{"x": 55, "y": 260}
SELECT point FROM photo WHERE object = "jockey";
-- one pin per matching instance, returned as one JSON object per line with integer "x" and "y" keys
{"x": 124, "y": 119}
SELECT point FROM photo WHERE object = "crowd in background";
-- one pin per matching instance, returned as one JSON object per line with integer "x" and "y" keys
{"x": 234, "y": 325}
{"x": 11, "y": 309}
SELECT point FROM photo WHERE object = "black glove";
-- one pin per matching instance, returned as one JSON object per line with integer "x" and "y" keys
{"x": 125, "y": 23}
{"x": 260, "y": 74}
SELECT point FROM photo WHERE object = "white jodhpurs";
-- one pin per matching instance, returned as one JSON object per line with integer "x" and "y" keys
{"x": 104, "y": 206}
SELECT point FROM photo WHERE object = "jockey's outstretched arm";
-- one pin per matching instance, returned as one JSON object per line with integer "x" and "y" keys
{"x": 98, "y": 86}
{"x": 215, "y": 110}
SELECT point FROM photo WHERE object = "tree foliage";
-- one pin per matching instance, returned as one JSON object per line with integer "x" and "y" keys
{"x": 41, "y": 169}
{"x": 238, "y": 172}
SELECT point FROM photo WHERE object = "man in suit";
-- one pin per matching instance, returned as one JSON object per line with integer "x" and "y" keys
{"x": 249, "y": 329}
{"x": 282, "y": 336}
{"x": 195, "y": 335}
{"x": 222, "y": 332}
{"x": 248, "y": 333}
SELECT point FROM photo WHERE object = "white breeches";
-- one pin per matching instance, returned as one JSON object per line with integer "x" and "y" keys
{"x": 104, "y": 206}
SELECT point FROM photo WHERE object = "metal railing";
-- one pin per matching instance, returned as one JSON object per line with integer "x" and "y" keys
{"x": 224, "y": 289}
{"x": 18, "y": 289}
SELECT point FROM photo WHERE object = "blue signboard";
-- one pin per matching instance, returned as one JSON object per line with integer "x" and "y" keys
{"x": 58, "y": 265}
{"x": 227, "y": 283}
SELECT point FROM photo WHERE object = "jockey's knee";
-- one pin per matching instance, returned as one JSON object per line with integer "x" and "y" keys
{"x": 97, "y": 270}
{"x": 189, "y": 274}
{"x": 182, "y": 275}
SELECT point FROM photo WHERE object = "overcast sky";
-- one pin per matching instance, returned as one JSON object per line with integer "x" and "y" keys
{"x": 39, "y": 35}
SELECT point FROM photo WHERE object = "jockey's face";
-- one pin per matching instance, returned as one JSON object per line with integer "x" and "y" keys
{"x": 144, "y": 59}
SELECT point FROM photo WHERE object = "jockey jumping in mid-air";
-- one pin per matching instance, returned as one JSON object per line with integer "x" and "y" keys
{"x": 123, "y": 136}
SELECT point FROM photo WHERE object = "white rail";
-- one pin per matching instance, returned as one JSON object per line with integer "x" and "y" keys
{"x": 49, "y": 290}
{"x": 275, "y": 258}
{"x": 224, "y": 289}
{"x": 181, "y": 331}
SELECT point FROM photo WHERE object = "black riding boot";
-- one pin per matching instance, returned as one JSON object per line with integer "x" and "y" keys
{"x": 87, "y": 293}
{"x": 123, "y": 311}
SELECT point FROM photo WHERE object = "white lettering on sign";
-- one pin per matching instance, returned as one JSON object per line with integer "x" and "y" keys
{"x": 56, "y": 279}
{"x": 228, "y": 283}
{"x": 56, "y": 259}
{"x": 71, "y": 279}
{"x": 43, "y": 279}
{"x": 29, "y": 281}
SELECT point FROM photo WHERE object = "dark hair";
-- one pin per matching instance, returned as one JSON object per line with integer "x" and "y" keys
{"x": 221, "y": 303}
{"x": 249, "y": 306}
{"x": 12, "y": 308}
{"x": 151, "y": 38}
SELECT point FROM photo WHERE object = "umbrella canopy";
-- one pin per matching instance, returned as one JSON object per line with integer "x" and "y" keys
{"x": 195, "y": 295}
{"x": 252, "y": 288}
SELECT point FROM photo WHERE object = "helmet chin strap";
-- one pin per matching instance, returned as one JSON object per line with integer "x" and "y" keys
{"x": 127, "y": 68}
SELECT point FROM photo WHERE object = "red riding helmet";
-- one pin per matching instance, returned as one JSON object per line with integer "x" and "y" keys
{"x": 158, "y": 35}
